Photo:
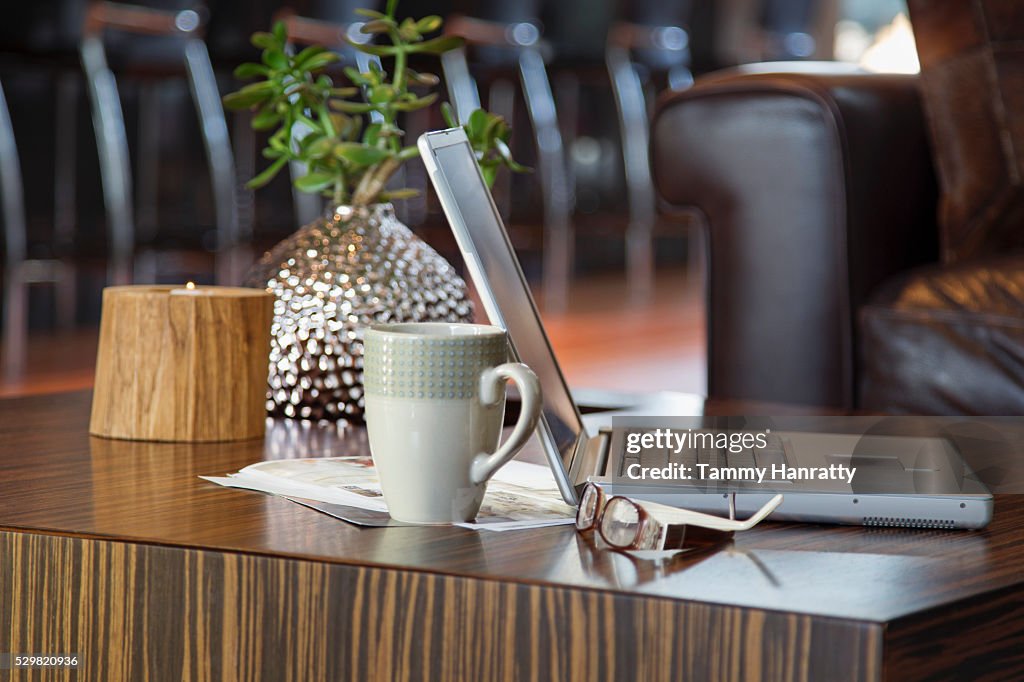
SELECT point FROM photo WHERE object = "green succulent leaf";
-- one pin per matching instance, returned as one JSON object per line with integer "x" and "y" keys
{"x": 304, "y": 142}
{"x": 251, "y": 70}
{"x": 319, "y": 61}
{"x": 275, "y": 58}
{"x": 351, "y": 107}
{"x": 346, "y": 127}
{"x": 354, "y": 75}
{"x": 448, "y": 114}
{"x": 490, "y": 174}
{"x": 306, "y": 54}
{"x": 429, "y": 24}
{"x": 379, "y": 50}
{"x": 359, "y": 154}
{"x": 381, "y": 94}
{"x": 250, "y": 95}
{"x": 268, "y": 174}
{"x": 377, "y": 26}
{"x": 280, "y": 33}
{"x": 438, "y": 45}
{"x": 410, "y": 152}
{"x": 476, "y": 124}
{"x": 372, "y": 134}
{"x": 427, "y": 79}
{"x": 265, "y": 119}
{"x": 407, "y": 31}
{"x": 320, "y": 148}
{"x": 348, "y": 155}
{"x": 313, "y": 182}
{"x": 416, "y": 103}
{"x": 264, "y": 40}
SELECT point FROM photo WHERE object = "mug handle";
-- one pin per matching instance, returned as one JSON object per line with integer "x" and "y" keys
{"x": 492, "y": 390}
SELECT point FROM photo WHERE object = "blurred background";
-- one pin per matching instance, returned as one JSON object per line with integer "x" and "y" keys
{"x": 117, "y": 163}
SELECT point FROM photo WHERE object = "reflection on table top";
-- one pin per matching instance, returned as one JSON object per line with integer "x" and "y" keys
{"x": 54, "y": 478}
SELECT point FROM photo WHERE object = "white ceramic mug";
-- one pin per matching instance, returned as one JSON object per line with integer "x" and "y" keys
{"x": 435, "y": 401}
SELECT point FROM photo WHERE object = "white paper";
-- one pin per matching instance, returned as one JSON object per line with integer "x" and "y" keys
{"x": 520, "y": 495}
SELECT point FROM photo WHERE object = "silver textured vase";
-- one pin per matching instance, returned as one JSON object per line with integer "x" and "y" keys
{"x": 353, "y": 267}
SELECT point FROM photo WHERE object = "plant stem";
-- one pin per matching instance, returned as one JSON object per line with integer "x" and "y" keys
{"x": 372, "y": 183}
{"x": 339, "y": 189}
{"x": 400, "y": 86}
{"x": 398, "y": 82}
{"x": 360, "y": 192}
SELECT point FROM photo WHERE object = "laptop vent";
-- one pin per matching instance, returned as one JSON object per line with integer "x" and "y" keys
{"x": 907, "y": 523}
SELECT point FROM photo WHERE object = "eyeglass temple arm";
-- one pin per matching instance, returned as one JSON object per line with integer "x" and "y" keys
{"x": 674, "y": 515}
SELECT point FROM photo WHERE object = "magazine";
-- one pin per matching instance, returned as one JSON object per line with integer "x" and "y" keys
{"x": 520, "y": 495}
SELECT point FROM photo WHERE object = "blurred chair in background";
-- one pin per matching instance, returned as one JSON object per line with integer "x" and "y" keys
{"x": 172, "y": 34}
{"x": 39, "y": 57}
{"x": 19, "y": 270}
{"x": 510, "y": 35}
{"x": 228, "y": 32}
{"x": 650, "y": 39}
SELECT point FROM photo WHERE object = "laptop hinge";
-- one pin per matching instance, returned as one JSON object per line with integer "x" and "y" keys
{"x": 591, "y": 457}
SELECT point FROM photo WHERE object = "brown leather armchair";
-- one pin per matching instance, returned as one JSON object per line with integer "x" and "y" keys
{"x": 819, "y": 198}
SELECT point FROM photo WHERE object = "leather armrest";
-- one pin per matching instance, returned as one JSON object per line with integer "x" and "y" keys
{"x": 814, "y": 187}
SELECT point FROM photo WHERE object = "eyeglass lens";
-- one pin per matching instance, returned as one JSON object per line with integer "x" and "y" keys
{"x": 621, "y": 522}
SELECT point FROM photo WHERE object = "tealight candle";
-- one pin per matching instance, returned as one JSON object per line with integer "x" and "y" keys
{"x": 190, "y": 289}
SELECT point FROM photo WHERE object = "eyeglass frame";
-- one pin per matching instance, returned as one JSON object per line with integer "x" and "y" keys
{"x": 676, "y": 528}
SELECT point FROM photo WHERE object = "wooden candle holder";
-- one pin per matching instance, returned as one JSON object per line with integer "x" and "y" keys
{"x": 182, "y": 364}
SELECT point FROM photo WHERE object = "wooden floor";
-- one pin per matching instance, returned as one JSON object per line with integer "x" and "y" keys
{"x": 602, "y": 341}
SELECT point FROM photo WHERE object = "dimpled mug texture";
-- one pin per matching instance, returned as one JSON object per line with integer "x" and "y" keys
{"x": 400, "y": 365}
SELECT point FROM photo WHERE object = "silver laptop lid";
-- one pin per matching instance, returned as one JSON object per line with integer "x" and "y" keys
{"x": 494, "y": 268}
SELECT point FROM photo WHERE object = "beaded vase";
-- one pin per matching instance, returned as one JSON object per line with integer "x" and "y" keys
{"x": 353, "y": 267}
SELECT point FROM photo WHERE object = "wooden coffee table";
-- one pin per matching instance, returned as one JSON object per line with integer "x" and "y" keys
{"x": 118, "y": 552}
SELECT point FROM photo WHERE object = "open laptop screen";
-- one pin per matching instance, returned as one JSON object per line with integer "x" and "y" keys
{"x": 499, "y": 280}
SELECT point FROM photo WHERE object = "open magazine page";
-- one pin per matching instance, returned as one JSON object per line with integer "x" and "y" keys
{"x": 520, "y": 495}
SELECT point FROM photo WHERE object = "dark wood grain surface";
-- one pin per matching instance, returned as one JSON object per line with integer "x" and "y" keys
{"x": 862, "y": 597}
{"x": 55, "y": 478}
{"x": 135, "y": 612}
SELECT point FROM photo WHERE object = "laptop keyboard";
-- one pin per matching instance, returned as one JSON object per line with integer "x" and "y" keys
{"x": 773, "y": 454}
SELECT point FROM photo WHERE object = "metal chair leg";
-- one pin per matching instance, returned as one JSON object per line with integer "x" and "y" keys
{"x": 15, "y": 309}
{"x": 633, "y": 129}
{"x": 462, "y": 90}
{"x": 556, "y": 190}
{"x": 501, "y": 100}
{"x": 214, "y": 127}
{"x": 66, "y": 294}
{"x": 115, "y": 167}
{"x": 558, "y": 200}
{"x": 15, "y": 321}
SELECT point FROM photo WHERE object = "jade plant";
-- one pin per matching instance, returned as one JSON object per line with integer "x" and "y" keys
{"x": 350, "y": 153}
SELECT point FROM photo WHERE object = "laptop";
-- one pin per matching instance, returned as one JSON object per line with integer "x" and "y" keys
{"x": 579, "y": 450}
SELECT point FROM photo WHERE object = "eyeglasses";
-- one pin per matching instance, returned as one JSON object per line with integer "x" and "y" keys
{"x": 630, "y": 524}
